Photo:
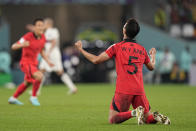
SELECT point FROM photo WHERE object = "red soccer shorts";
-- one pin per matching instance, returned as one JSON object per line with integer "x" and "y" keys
{"x": 29, "y": 70}
{"x": 121, "y": 102}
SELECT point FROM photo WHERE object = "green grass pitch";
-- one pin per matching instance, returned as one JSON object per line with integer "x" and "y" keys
{"x": 88, "y": 109}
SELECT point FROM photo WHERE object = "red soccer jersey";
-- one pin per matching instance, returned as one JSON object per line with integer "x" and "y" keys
{"x": 129, "y": 58}
{"x": 30, "y": 53}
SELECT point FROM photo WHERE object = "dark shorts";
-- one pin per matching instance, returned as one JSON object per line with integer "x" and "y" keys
{"x": 29, "y": 70}
{"x": 121, "y": 102}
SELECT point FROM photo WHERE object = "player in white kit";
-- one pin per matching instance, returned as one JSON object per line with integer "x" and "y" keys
{"x": 53, "y": 52}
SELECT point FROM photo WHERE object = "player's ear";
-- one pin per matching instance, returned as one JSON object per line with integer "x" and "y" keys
{"x": 124, "y": 31}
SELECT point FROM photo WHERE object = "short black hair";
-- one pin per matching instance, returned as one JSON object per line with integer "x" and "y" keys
{"x": 132, "y": 28}
{"x": 37, "y": 19}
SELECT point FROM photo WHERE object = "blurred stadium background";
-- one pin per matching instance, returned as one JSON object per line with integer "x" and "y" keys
{"x": 168, "y": 25}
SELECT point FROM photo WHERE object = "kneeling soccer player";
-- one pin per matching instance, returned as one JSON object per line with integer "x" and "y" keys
{"x": 129, "y": 57}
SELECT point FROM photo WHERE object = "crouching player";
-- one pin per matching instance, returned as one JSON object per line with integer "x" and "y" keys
{"x": 129, "y": 57}
{"x": 32, "y": 44}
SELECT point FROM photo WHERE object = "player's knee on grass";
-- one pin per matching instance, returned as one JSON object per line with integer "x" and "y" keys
{"x": 110, "y": 120}
{"x": 38, "y": 76}
{"x": 113, "y": 119}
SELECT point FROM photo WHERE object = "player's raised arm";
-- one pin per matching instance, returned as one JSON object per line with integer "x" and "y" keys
{"x": 17, "y": 45}
{"x": 92, "y": 58}
{"x": 46, "y": 58}
{"x": 151, "y": 64}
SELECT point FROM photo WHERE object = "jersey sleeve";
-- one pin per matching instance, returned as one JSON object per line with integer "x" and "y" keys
{"x": 111, "y": 51}
{"x": 24, "y": 38}
{"x": 147, "y": 59}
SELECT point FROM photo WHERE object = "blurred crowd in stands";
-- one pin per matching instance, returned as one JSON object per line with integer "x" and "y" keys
{"x": 178, "y": 17}
{"x": 168, "y": 69}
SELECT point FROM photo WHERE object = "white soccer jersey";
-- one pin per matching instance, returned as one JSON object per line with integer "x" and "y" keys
{"x": 55, "y": 54}
{"x": 52, "y": 34}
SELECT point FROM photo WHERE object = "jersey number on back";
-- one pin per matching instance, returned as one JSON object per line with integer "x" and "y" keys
{"x": 133, "y": 64}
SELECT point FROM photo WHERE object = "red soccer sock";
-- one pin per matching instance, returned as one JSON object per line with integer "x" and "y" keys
{"x": 150, "y": 119}
{"x": 36, "y": 86}
{"x": 21, "y": 88}
{"x": 121, "y": 117}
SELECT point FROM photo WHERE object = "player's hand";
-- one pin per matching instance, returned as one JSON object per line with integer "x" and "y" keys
{"x": 152, "y": 51}
{"x": 50, "y": 64}
{"x": 25, "y": 44}
{"x": 78, "y": 45}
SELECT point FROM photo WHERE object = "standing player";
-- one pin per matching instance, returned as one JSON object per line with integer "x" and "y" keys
{"x": 32, "y": 44}
{"x": 53, "y": 53}
{"x": 130, "y": 57}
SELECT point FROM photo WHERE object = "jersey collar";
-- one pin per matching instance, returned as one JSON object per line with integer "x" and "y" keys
{"x": 130, "y": 40}
{"x": 36, "y": 37}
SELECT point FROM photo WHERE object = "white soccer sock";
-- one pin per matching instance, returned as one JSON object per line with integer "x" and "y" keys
{"x": 67, "y": 80}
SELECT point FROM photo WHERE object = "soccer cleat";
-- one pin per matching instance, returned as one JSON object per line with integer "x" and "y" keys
{"x": 161, "y": 118}
{"x": 34, "y": 101}
{"x": 140, "y": 115}
{"x": 15, "y": 101}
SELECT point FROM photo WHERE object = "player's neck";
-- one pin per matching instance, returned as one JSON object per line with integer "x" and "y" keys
{"x": 37, "y": 36}
{"x": 125, "y": 37}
